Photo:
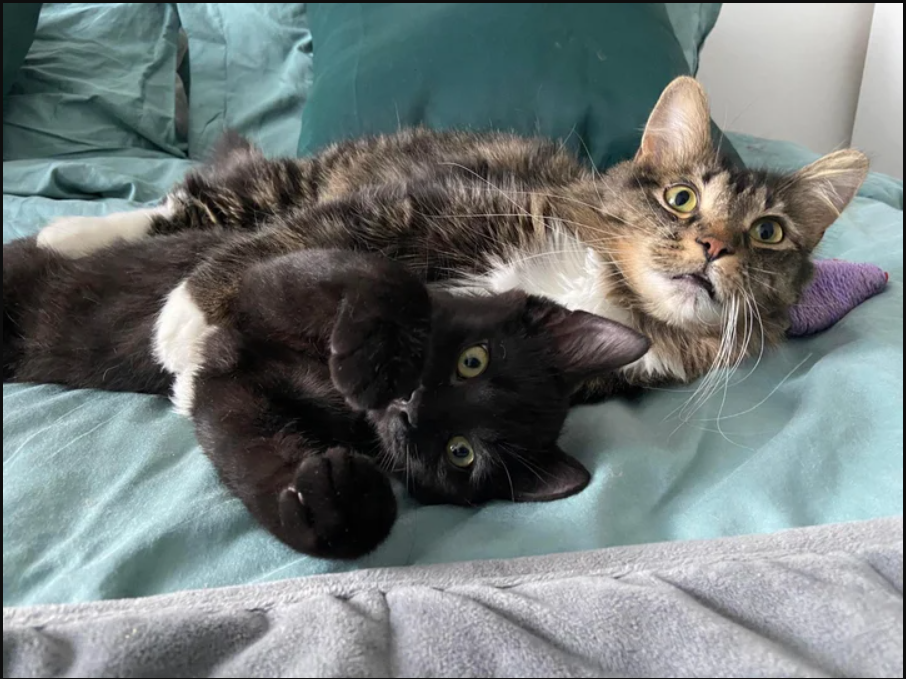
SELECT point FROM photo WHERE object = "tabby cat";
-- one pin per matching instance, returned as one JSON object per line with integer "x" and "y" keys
{"x": 337, "y": 363}
{"x": 702, "y": 257}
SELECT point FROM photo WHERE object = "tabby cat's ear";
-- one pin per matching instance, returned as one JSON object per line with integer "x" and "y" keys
{"x": 679, "y": 129}
{"x": 557, "y": 476}
{"x": 586, "y": 345}
{"x": 826, "y": 187}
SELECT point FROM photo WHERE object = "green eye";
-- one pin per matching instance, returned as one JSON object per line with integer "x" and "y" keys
{"x": 681, "y": 198}
{"x": 460, "y": 452}
{"x": 473, "y": 361}
{"x": 766, "y": 231}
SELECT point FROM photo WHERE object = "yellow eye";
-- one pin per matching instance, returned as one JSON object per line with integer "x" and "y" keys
{"x": 766, "y": 231}
{"x": 681, "y": 199}
{"x": 460, "y": 452}
{"x": 472, "y": 362}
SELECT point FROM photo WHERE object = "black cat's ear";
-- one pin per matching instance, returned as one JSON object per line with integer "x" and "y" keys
{"x": 678, "y": 131}
{"x": 553, "y": 477}
{"x": 587, "y": 345}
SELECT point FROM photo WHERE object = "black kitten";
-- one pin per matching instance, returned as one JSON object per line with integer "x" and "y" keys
{"x": 338, "y": 364}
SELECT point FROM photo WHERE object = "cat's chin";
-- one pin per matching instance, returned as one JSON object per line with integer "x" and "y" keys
{"x": 394, "y": 435}
{"x": 683, "y": 300}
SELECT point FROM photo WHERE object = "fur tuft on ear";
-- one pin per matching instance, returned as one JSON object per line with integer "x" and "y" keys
{"x": 587, "y": 345}
{"x": 827, "y": 186}
{"x": 563, "y": 476}
{"x": 679, "y": 127}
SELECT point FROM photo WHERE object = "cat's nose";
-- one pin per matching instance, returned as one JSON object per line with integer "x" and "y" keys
{"x": 407, "y": 408}
{"x": 714, "y": 248}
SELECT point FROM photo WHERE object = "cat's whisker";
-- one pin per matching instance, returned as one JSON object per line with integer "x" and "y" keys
{"x": 710, "y": 383}
{"x": 770, "y": 394}
{"x": 571, "y": 199}
{"x": 528, "y": 464}
{"x": 502, "y": 463}
{"x": 490, "y": 184}
{"x": 505, "y": 215}
{"x": 752, "y": 306}
{"x": 408, "y": 465}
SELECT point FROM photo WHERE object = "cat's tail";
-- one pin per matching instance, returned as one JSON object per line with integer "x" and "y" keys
{"x": 25, "y": 265}
{"x": 232, "y": 147}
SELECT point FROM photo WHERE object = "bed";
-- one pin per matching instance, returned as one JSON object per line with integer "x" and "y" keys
{"x": 762, "y": 537}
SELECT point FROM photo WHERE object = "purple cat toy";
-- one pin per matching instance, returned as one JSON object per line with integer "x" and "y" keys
{"x": 838, "y": 287}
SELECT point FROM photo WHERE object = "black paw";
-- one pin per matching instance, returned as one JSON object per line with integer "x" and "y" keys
{"x": 379, "y": 343}
{"x": 340, "y": 506}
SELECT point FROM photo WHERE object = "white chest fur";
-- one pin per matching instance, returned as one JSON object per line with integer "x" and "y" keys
{"x": 572, "y": 274}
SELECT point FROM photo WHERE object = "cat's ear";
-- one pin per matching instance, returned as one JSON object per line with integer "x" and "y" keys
{"x": 679, "y": 128}
{"x": 826, "y": 187}
{"x": 586, "y": 345}
{"x": 553, "y": 477}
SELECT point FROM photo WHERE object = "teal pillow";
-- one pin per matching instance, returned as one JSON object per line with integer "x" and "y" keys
{"x": 19, "y": 21}
{"x": 99, "y": 78}
{"x": 692, "y": 22}
{"x": 250, "y": 71}
{"x": 585, "y": 73}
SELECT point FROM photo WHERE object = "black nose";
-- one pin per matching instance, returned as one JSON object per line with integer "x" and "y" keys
{"x": 407, "y": 408}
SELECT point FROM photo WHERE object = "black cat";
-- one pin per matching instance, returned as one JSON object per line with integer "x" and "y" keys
{"x": 338, "y": 365}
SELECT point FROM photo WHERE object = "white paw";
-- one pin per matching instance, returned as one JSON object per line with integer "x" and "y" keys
{"x": 183, "y": 395}
{"x": 180, "y": 332}
{"x": 76, "y": 237}
{"x": 179, "y": 339}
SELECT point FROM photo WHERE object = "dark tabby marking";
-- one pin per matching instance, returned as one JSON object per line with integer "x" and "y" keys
{"x": 336, "y": 364}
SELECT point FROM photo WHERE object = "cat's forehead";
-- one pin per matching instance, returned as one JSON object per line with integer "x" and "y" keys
{"x": 731, "y": 192}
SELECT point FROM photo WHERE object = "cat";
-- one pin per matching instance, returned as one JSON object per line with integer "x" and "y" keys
{"x": 702, "y": 257}
{"x": 337, "y": 366}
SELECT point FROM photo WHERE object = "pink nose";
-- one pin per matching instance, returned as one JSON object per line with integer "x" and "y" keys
{"x": 714, "y": 247}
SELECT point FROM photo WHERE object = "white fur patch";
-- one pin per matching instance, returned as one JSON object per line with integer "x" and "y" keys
{"x": 656, "y": 364}
{"x": 564, "y": 270}
{"x": 75, "y": 237}
{"x": 183, "y": 396}
{"x": 179, "y": 338}
{"x": 572, "y": 274}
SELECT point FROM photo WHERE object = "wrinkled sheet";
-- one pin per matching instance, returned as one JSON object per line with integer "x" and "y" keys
{"x": 809, "y": 603}
{"x": 108, "y": 495}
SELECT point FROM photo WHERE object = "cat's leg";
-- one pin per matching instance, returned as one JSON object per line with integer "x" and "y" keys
{"x": 366, "y": 308}
{"x": 183, "y": 326}
{"x": 76, "y": 237}
{"x": 339, "y": 505}
{"x": 241, "y": 193}
{"x": 207, "y": 298}
{"x": 331, "y": 503}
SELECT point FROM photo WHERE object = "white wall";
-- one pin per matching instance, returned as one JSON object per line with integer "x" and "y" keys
{"x": 879, "y": 118}
{"x": 789, "y": 70}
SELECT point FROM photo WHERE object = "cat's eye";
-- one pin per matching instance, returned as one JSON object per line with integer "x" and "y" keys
{"x": 460, "y": 452}
{"x": 681, "y": 198}
{"x": 473, "y": 361}
{"x": 766, "y": 231}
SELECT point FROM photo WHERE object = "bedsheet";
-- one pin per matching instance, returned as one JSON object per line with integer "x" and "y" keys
{"x": 108, "y": 496}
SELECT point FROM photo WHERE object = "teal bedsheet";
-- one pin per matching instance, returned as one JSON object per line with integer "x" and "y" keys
{"x": 108, "y": 495}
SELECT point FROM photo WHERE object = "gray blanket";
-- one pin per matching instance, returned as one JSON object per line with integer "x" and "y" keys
{"x": 822, "y": 601}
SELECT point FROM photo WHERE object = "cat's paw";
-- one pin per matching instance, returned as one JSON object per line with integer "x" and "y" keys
{"x": 378, "y": 346}
{"x": 178, "y": 344}
{"x": 75, "y": 237}
{"x": 340, "y": 506}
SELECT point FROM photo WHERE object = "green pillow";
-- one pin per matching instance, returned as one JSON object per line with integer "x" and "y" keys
{"x": 250, "y": 71}
{"x": 99, "y": 78}
{"x": 692, "y": 22}
{"x": 19, "y": 21}
{"x": 585, "y": 73}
